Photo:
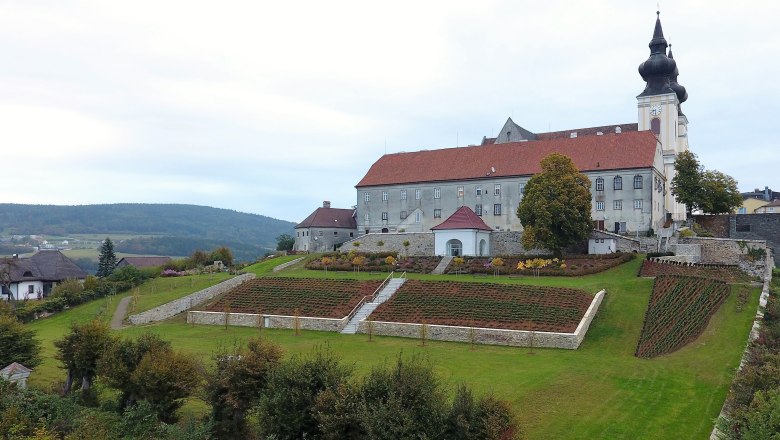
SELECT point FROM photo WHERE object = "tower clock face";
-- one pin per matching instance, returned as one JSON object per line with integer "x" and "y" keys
{"x": 655, "y": 110}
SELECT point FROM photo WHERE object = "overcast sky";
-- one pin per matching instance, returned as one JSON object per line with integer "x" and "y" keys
{"x": 271, "y": 107}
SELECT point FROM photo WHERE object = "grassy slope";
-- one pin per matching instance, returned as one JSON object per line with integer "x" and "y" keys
{"x": 159, "y": 291}
{"x": 598, "y": 391}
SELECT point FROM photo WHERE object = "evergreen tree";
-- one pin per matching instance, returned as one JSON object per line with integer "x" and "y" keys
{"x": 555, "y": 209}
{"x": 107, "y": 259}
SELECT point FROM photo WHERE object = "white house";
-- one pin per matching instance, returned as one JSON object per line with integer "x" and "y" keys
{"x": 462, "y": 234}
{"x": 36, "y": 276}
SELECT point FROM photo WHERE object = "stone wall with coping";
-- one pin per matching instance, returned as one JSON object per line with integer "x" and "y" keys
{"x": 175, "y": 307}
{"x": 722, "y": 250}
{"x": 517, "y": 338}
{"x": 286, "y": 265}
{"x": 421, "y": 244}
{"x": 267, "y": 321}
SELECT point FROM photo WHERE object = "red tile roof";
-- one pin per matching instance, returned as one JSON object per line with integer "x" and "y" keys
{"x": 463, "y": 218}
{"x": 635, "y": 149}
{"x": 329, "y": 218}
{"x": 589, "y": 131}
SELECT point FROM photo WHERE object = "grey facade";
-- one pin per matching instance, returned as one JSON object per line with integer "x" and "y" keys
{"x": 397, "y": 208}
{"x": 325, "y": 229}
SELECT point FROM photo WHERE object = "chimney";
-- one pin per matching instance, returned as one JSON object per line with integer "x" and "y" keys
{"x": 326, "y": 204}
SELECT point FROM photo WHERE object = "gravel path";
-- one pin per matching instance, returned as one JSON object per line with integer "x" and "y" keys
{"x": 120, "y": 313}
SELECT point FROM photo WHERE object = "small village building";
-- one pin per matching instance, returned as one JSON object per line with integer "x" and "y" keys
{"x": 325, "y": 229}
{"x": 769, "y": 208}
{"x": 462, "y": 234}
{"x": 16, "y": 373}
{"x": 142, "y": 262}
{"x": 35, "y": 277}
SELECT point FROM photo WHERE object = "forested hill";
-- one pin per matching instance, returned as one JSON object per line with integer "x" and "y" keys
{"x": 201, "y": 225}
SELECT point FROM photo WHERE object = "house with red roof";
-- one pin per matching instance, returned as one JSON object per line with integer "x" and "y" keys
{"x": 462, "y": 234}
{"x": 630, "y": 166}
{"x": 325, "y": 229}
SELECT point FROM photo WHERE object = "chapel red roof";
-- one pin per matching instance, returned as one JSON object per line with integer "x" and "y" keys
{"x": 634, "y": 149}
{"x": 463, "y": 218}
{"x": 329, "y": 218}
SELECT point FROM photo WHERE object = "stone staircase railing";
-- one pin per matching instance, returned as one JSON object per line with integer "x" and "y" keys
{"x": 369, "y": 303}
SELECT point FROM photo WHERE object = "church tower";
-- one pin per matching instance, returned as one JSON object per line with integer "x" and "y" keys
{"x": 660, "y": 112}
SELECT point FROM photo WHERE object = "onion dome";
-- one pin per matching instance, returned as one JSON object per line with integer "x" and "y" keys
{"x": 682, "y": 94}
{"x": 657, "y": 69}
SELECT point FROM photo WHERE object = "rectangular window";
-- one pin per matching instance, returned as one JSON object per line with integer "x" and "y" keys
{"x": 478, "y": 209}
{"x": 599, "y": 184}
{"x": 497, "y": 209}
{"x": 31, "y": 289}
{"x": 637, "y": 182}
{"x": 417, "y": 217}
{"x": 599, "y": 206}
{"x": 320, "y": 233}
{"x": 478, "y": 191}
{"x": 351, "y": 234}
{"x": 638, "y": 204}
{"x": 437, "y": 213}
{"x": 403, "y": 194}
{"x": 436, "y": 193}
{"x": 522, "y": 188}
{"x": 617, "y": 183}
{"x": 366, "y": 197}
{"x": 617, "y": 205}
{"x": 497, "y": 189}
{"x": 403, "y": 215}
{"x": 335, "y": 232}
{"x": 365, "y": 217}
{"x": 417, "y": 194}
{"x": 622, "y": 227}
{"x": 384, "y": 216}
{"x": 460, "y": 192}
{"x": 384, "y": 196}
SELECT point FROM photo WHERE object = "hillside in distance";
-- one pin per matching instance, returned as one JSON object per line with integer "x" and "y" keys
{"x": 174, "y": 229}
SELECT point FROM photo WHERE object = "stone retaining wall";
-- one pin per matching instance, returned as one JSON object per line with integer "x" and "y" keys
{"x": 175, "y": 307}
{"x": 287, "y": 264}
{"x": 420, "y": 243}
{"x": 267, "y": 321}
{"x": 689, "y": 253}
{"x": 722, "y": 250}
{"x": 517, "y": 338}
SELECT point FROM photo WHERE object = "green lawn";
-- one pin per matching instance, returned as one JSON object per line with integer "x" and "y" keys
{"x": 159, "y": 291}
{"x": 600, "y": 391}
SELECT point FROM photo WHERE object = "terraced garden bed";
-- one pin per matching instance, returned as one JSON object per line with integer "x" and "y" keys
{"x": 487, "y": 305}
{"x": 375, "y": 262}
{"x": 576, "y": 265}
{"x": 320, "y": 298}
{"x": 679, "y": 310}
{"x": 727, "y": 274}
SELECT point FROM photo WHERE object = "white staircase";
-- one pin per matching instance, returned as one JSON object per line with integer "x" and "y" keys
{"x": 393, "y": 284}
{"x": 445, "y": 261}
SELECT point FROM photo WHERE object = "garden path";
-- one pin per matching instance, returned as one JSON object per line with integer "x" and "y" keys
{"x": 120, "y": 313}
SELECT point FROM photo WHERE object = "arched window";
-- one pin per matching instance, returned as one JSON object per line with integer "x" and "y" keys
{"x": 454, "y": 248}
{"x": 599, "y": 184}
{"x": 618, "y": 183}
{"x": 655, "y": 126}
{"x": 482, "y": 247}
{"x": 637, "y": 182}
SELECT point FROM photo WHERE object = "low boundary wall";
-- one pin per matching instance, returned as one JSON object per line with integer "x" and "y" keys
{"x": 287, "y": 264}
{"x": 517, "y": 338}
{"x": 267, "y": 321}
{"x": 173, "y": 308}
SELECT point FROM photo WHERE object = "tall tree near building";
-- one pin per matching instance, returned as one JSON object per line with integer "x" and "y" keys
{"x": 285, "y": 242}
{"x": 107, "y": 259}
{"x": 719, "y": 193}
{"x": 555, "y": 210}
{"x": 686, "y": 183}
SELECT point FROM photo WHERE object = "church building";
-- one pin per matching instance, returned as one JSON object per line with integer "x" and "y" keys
{"x": 630, "y": 166}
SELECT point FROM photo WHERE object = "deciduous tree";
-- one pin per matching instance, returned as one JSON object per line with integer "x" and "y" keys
{"x": 80, "y": 350}
{"x": 686, "y": 183}
{"x": 18, "y": 343}
{"x": 555, "y": 210}
{"x": 719, "y": 193}
{"x": 285, "y": 242}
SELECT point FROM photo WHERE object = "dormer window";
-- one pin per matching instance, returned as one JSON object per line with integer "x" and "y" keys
{"x": 617, "y": 130}
{"x": 27, "y": 273}
{"x": 508, "y": 134}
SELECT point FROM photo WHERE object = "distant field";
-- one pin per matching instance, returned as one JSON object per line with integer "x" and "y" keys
{"x": 93, "y": 254}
